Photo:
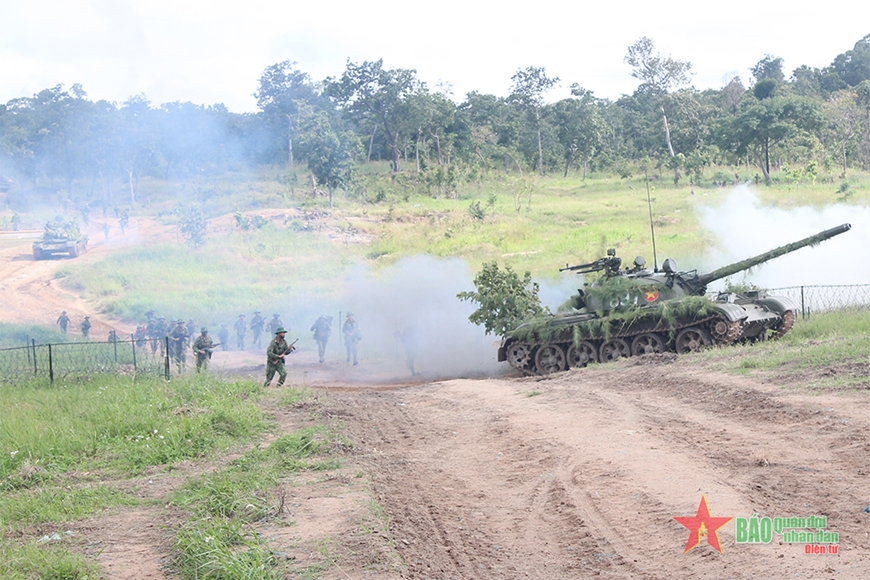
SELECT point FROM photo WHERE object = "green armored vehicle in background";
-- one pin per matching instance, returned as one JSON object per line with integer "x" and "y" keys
{"x": 634, "y": 311}
{"x": 60, "y": 238}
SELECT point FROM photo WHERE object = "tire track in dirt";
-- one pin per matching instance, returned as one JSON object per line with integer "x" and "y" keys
{"x": 586, "y": 471}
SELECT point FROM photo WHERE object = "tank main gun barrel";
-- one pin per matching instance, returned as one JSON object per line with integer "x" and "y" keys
{"x": 732, "y": 269}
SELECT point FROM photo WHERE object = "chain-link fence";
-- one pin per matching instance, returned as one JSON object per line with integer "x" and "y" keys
{"x": 815, "y": 299}
{"x": 79, "y": 359}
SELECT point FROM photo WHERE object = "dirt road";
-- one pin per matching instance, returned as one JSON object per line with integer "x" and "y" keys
{"x": 574, "y": 476}
{"x": 581, "y": 475}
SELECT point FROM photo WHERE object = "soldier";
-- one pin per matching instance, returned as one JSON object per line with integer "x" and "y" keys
{"x": 409, "y": 340}
{"x": 322, "y": 328}
{"x": 241, "y": 330}
{"x": 202, "y": 348}
{"x": 139, "y": 336}
{"x": 158, "y": 333}
{"x": 63, "y": 321}
{"x": 224, "y": 337}
{"x": 113, "y": 336}
{"x": 352, "y": 336}
{"x": 178, "y": 338}
{"x": 257, "y": 323}
{"x": 275, "y": 354}
{"x": 106, "y": 231}
{"x": 274, "y": 324}
{"x": 191, "y": 328}
{"x": 86, "y": 327}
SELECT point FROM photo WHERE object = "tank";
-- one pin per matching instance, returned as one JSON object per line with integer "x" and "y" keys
{"x": 60, "y": 238}
{"x": 634, "y": 311}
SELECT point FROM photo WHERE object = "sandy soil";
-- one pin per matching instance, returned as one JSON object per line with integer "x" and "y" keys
{"x": 576, "y": 475}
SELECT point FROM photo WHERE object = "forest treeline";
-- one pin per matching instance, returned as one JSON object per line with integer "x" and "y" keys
{"x": 814, "y": 119}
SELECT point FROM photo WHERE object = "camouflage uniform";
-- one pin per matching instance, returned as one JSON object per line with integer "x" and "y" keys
{"x": 241, "y": 330}
{"x": 139, "y": 336}
{"x": 322, "y": 328}
{"x": 275, "y": 357}
{"x": 202, "y": 348}
{"x": 352, "y": 336}
{"x": 257, "y": 324}
{"x": 86, "y": 327}
{"x": 157, "y": 332}
{"x": 224, "y": 337}
{"x": 63, "y": 321}
{"x": 274, "y": 324}
{"x": 178, "y": 345}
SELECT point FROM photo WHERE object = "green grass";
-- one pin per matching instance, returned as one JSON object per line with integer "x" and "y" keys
{"x": 218, "y": 542}
{"x": 58, "y": 505}
{"x": 829, "y": 350}
{"x": 46, "y": 561}
{"x": 12, "y": 335}
{"x": 120, "y": 423}
{"x": 535, "y": 224}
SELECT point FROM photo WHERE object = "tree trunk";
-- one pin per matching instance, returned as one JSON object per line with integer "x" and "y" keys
{"x": 371, "y": 144}
{"x": 844, "y": 160}
{"x": 677, "y": 175}
{"x": 585, "y": 166}
{"x": 132, "y": 191}
{"x": 568, "y": 161}
{"x": 417, "y": 148}
{"x": 540, "y": 149}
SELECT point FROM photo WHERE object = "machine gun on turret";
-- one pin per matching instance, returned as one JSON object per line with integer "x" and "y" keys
{"x": 610, "y": 265}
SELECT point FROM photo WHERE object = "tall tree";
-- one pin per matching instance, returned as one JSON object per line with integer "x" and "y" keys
{"x": 658, "y": 74}
{"x": 766, "y": 122}
{"x": 329, "y": 152}
{"x": 284, "y": 94}
{"x": 580, "y": 127}
{"x": 527, "y": 91}
{"x": 369, "y": 92}
{"x": 769, "y": 67}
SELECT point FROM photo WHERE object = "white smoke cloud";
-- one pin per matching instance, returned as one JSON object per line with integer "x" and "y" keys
{"x": 745, "y": 228}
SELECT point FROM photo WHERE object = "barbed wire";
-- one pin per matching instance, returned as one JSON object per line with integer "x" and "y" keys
{"x": 152, "y": 356}
{"x": 817, "y": 299}
{"x": 81, "y": 358}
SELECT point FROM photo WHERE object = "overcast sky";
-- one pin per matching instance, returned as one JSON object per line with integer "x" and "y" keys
{"x": 214, "y": 51}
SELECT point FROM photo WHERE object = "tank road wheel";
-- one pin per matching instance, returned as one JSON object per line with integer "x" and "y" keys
{"x": 614, "y": 349}
{"x": 786, "y": 324}
{"x": 518, "y": 355}
{"x": 724, "y": 332}
{"x": 647, "y": 343}
{"x": 692, "y": 339}
{"x": 37, "y": 254}
{"x": 550, "y": 358}
{"x": 582, "y": 354}
{"x": 74, "y": 252}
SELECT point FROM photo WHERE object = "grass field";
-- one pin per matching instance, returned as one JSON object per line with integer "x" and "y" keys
{"x": 531, "y": 223}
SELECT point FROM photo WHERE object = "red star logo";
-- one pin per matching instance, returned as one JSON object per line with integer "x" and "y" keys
{"x": 651, "y": 295}
{"x": 703, "y": 524}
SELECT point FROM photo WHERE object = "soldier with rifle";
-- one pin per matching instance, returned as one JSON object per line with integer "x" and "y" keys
{"x": 86, "y": 327}
{"x": 322, "y": 328}
{"x": 178, "y": 338}
{"x": 224, "y": 337}
{"x": 241, "y": 330}
{"x": 275, "y": 354}
{"x": 63, "y": 321}
{"x": 257, "y": 324}
{"x": 203, "y": 347}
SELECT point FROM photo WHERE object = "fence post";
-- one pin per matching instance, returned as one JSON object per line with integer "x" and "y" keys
{"x": 50, "y": 365}
{"x": 166, "y": 358}
{"x": 35, "y": 369}
{"x": 803, "y": 307}
{"x": 133, "y": 346}
{"x": 115, "y": 348}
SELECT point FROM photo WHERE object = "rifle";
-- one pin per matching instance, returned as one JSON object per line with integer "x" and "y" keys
{"x": 209, "y": 350}
{"x": 290, "y": 348}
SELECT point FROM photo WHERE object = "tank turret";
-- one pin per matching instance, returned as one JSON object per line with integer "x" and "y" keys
{"x": 634, "y": 310}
